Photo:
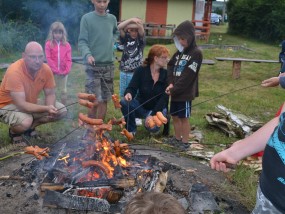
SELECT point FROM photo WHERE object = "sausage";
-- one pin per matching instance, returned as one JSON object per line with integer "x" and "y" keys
{"x": 116, "y": 101}
{"x": 129, "y": 135}
{"x": 85, "y": 96}
{"x": 86, "y": 103}
{"x": 91, "y": 121}
{"x": 119, "y": 122}
{"x": 99, "y": 165}
{"x": 161, "y": 117}
{"x": 102, "y": 127}
{"x": 157, "y": 121}
{"x": 38, "y": 152}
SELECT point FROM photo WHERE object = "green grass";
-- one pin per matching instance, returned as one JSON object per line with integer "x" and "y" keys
{"x": 216, "y": 87}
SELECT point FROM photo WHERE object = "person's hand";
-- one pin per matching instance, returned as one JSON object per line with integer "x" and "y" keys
{"x": 128, "y": 97}
{"x": 138, "y": 21}
{"x": 146, "y": 121}
{"x": 52, "y": 110}
{"x": 221, "y": 160}
{"x": 167, "y": 90}
{"x": 91, "y": 60}
{"x": 271, "y": 82}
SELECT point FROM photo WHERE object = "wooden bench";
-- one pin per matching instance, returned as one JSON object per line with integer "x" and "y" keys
{"x": 208, "y": 62}
{"x": 237, "y": 63}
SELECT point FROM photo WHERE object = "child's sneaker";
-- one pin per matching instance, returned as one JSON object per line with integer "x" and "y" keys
{"x": 138, "y": 121}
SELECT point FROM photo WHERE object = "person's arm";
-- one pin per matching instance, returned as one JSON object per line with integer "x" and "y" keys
{"x": 244, "y": 148}
{"x": 140, "y": 27}
{"x": 19, "y": 99}
{"x": 83, "y": 42}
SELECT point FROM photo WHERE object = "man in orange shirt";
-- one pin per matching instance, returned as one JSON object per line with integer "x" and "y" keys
{"x": 19, "y": 92}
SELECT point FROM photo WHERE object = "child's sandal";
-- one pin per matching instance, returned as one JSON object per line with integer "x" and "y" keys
{"x": 17, "y": 139}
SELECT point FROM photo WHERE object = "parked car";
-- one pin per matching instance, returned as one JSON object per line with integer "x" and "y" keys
{"x": 216, "y": 18}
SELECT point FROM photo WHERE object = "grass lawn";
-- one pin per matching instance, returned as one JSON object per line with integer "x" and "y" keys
{"x": 216, "y": 87}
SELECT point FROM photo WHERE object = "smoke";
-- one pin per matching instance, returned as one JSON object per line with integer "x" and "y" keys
{"x": 44, "y": 13}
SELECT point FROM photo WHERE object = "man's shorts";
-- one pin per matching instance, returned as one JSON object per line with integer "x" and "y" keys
{"x": 99, "y": 81}
{"x": 180, "y": 109}
{"x": 12, "y": 116}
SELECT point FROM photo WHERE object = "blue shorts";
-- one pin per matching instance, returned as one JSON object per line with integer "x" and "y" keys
{"x": 125, "y": 78}
{"x": 100, "y": 81}
{"x": 180, "y": 109}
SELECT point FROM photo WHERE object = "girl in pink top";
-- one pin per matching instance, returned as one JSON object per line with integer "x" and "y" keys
{"x": 58, "y": 55}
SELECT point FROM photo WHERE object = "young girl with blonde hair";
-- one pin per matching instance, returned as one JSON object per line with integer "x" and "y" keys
{"x": 58, "y": 55}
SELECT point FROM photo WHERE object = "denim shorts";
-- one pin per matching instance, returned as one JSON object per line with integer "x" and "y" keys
{"x": 125, "y": 78}
{"x": 180, "y": 109}
{"x": 100, "y": 81}
{"x": 263, "y": 205}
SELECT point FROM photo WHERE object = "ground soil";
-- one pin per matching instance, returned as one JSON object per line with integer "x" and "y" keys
{"x": 18, "y": 196}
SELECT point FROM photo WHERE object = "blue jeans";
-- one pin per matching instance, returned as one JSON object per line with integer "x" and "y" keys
{"x": 131, "y": 111}
{"x": 125, "y": 78}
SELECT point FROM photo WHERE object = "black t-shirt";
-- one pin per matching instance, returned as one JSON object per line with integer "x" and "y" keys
{"x": 272, "y": 179}
{"x": 133, "y": 52}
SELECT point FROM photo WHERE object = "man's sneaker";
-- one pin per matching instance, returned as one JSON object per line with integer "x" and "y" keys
{"x": 138, "y": 121}
{"x": 183, "y": 146}
{"x": 173, "y": 141}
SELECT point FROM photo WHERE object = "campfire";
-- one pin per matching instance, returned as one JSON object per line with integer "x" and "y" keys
{"x": 90, "y": 171}
{"x": 96, "y": 171}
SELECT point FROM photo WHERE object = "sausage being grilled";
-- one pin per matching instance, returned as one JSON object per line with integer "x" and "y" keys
{"x": 128, "y": 134}
{"x": 85, "y": 96}
{"x": 86, "y": 103}
{"x": 90, "y": 121}
{"x": 116, "y": 101}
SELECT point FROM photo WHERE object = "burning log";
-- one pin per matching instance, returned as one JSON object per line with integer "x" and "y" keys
{"x": 55, "y": 199}
{"x": 114, "y": 182}
{"x": 8, "y": 177}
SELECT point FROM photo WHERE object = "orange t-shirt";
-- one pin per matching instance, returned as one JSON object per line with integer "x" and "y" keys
{"x": 17, "y": 79}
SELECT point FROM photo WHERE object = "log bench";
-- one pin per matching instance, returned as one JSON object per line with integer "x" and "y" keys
{"x": 237, "y": 63}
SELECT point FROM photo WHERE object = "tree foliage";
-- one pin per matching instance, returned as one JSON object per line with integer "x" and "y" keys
{"x": 259, "y": 19}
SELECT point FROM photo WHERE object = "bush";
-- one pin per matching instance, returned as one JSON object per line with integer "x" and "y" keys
{"x": 15, "y": 35}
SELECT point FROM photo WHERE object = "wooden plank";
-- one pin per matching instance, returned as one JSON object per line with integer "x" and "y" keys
{"x": 237, "y": 63}
{"x": 246, "y": 60}
{"x": 208, "y": 62}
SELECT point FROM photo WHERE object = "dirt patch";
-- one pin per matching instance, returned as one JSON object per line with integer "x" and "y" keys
{"x": 23, "y": 196}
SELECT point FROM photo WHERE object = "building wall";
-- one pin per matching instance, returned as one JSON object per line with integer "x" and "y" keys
{"x": 179, "y": 11}
{"x": 133, "y": 8}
